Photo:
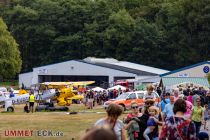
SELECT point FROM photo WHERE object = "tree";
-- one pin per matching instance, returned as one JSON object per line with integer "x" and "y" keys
{"x": 10, "y": 61}
{"x": 208, "y": 77}
{"x": 162, "y": 33}
{"x": 119, "y": 34}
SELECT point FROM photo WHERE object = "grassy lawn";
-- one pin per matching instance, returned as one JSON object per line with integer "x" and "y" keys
{"x": 72, "y": 126}
{"x": 13, "y": 84}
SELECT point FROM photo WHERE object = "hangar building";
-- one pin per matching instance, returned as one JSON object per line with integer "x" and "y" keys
{"x": 196, "y": 70}
{"x": 103, "y": 71}
{"x": 196, "y": 73}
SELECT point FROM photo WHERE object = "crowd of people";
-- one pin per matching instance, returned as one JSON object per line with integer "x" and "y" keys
{"x": 180, "y": 113}
{"x": 91, "y": 98}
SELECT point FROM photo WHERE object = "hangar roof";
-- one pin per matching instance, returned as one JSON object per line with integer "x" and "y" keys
{"x": 121, "y": 68}
{"x": 124, "y": 65}
{"x": 119, "y": 65}
{"x": 184, "y": 68}
{"x": 141, "y": 67}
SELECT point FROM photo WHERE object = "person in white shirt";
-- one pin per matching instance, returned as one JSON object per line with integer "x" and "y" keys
{"x": 150, "y": 94}
{"x": 113, "y": 112}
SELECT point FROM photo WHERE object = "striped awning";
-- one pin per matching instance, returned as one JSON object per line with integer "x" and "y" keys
{"x": 170, "y": 81}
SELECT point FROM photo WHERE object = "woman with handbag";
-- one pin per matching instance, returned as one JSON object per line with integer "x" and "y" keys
{"x": 177, "y": 127}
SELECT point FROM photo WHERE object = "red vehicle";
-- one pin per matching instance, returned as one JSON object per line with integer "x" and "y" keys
{"x": 125, "y": 83}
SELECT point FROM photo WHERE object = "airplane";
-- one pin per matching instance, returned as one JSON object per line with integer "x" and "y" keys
{"x": 44, "y": 91}
{"x": 23, "y": 98}
{"x": 66, "y": 94}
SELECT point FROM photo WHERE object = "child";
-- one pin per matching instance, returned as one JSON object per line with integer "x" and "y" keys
{"x": 206, "y": 116}
{"x": 26, "y": 108}
{"x": 151, "y": 122}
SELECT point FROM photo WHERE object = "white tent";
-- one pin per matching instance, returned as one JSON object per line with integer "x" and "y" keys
{"x": 117, "y": 87}
{"x": 98, "y": 89}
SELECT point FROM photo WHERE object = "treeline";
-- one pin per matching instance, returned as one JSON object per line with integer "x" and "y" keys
{"x": 167, "y": 34}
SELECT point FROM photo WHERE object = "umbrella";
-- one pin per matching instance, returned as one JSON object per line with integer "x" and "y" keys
{"x": 117, "y": 87}
{"x": 98, "y": 89}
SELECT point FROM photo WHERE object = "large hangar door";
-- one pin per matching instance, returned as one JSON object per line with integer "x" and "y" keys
{"x": 102, "y": 81}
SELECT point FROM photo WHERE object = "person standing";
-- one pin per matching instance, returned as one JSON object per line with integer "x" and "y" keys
{"x": 190, "y": 97}
{"x": 90, "y": 97}
{"x": 11, "y": 93}
{"x": 120, "y": 92}
{"x": 110, "y": 94}
{"x": 135, "y": 111}
{"x": 31, "y": 101}
{"x": 132, "y": 125}
{"x": 113, "y": 112}
{"x": 151, "y": 123}
{"x": 150, "y": 94}
{"x": 176, "y": 94}
{"x": 198, "y": 115}
{"x": 168, "y": 110}
{"x": 208, "y": 95}
{"x": 189, "y": 108}
{"x": 206, "y": 116}
{"x": 158, "y": 90}
{"x": 142, "y": 120}
{"x": 163, "y": 103}
{"x": 177, "y": 127}
{"x": 114, "y": 93}
{"x": 195, "y": 96}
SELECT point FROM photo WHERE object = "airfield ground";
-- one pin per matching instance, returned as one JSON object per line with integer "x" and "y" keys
{"x": 71, "y": 126}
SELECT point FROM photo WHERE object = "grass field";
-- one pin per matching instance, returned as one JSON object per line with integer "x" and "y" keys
{"x": 72, "y": 126}
{"x": 13, "y": 84}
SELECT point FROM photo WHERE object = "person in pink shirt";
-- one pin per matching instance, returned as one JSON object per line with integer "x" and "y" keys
{"x": 190, "y": 97}
{"x": 189, "y": 108}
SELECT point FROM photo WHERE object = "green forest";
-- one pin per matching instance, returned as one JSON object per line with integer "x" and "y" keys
{"x": 166, "y": 34}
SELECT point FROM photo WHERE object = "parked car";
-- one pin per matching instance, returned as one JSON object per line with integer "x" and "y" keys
{"x": 125, "y": 99}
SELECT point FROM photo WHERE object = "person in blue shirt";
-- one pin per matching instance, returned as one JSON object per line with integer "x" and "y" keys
{"x": 151, "y": 123}
{"x": 168, "y": 110}
{"x": 164, "y": 101}
{"x": 11, "y": 94}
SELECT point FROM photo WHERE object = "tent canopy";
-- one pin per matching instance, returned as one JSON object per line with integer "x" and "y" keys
{"x": 117, "y": 87}
{"x": 98, "y": 89}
